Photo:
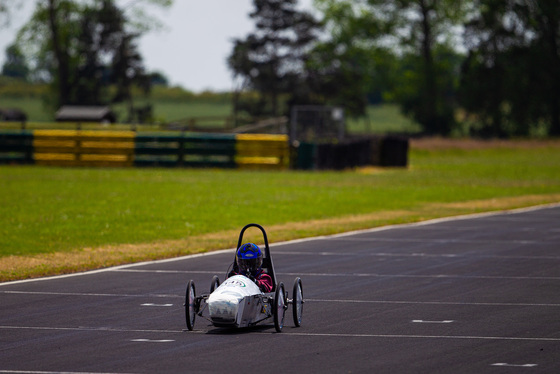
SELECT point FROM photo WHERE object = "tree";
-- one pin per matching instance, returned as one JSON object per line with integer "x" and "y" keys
{"x": 62, "y": 26}
{"x": 15, "y": 65}
{"x": 348, "y": 76}
{"x": 271, "y": 60}
{"x": 159, "y": 78}
{"x": 84, "y": 47}
{"x": 421, "y": 32}
{"x": 128, "y": 70}
{"x": 511, "y": 79}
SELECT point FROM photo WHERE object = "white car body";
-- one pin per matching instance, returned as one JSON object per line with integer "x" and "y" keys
{"x": 238, "y": 302}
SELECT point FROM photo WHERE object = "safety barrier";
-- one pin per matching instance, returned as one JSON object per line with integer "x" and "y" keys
{"x": 128, "y": 148}
{"x": 387, "y": 151}
{"x": 179, "y": 149}
{"x": 16, "y": 147}
{"x": 83, "y": 148}
{"x": 262, "y": 151}
{"x": 190, "y": 150}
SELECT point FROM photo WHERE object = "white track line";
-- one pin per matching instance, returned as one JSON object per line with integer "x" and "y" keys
{"x": 469, "y": 337}
{"x": 88, "y": 329}
{"x": 152, "y": 340}
{"x": 447, "y": 303}
{"x": 347, "y": 301}
{"x": 286, "y": 333}
{"x": 349, "y": 233}
{"x": 365, "y": 275}
{"x": 445, "y": 241}
{"x": 421, "y": 254}
{"x": 49, "y": 293}
{"x": 396, "y": 254}
{"x": 420, "y": 276}
{"x": 51, "y": 372}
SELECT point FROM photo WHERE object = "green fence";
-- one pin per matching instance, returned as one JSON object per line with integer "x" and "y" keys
{"x": 189, "y": 150}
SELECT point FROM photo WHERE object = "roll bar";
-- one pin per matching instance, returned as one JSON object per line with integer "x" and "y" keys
{"x": 267, "y": 265}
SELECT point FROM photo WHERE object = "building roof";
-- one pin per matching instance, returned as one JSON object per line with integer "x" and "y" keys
{"x": 85, "y": 113}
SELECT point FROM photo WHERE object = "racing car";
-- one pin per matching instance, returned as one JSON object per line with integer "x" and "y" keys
{"x": 238, "y": 302}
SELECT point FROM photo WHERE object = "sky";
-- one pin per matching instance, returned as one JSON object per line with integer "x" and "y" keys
{"x": 191, "y": 50}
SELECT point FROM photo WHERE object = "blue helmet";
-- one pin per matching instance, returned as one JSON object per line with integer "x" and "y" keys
{"x": 249, "y": 258}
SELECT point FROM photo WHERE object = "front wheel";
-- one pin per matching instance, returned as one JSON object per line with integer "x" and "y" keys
{"x": 297, "y": 301}
{"x": 279, "y": 307}
{"x": 190, "y": 305}
{"x": 215, "y": 283}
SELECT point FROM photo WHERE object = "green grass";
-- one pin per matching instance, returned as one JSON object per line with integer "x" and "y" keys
{"x": 164, "y": 111}
{"x": 32, "y": 106}
{"x": 171, "y": 111}
{"x": 380, "y": 119}
{"x": 49, "y": 209}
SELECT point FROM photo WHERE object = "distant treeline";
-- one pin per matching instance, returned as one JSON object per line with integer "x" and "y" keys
{"x": 475, "y": 67}
{"x": 18, "y": 88}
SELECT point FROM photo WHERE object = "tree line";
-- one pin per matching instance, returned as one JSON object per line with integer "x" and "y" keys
{"x": 480, "y": 67}
{"x": 475, "y": 67}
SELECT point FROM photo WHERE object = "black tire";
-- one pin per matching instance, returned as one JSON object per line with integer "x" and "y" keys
{"x": 279, "y": 307}
{"x": 297, "y": 301}
{"x": 190, "y": 305}
{"x": 215, "y": 283}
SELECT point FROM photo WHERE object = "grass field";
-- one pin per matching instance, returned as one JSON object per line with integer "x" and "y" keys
{"x": 380, "y": 119}
{"x": 163, "y": 110}
{"x": 33, "y": 107}
{"x": 56, "y": 220}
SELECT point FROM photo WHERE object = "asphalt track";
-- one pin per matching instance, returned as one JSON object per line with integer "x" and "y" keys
{"x": 478, "y": 294}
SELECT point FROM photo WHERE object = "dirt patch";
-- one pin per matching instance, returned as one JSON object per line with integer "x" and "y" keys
{"x": 436, "y": 143}
{"x": 501, "y": 203}
{"x": 22, "y": 267}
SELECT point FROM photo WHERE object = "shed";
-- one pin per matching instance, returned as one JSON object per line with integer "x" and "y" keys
{"x": 71, "y": 113}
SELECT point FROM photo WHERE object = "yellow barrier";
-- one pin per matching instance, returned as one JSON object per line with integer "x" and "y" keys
{"x": 117, "y": 148}
{"x": 83, "y": 148}
{"x": 258, "y": 151}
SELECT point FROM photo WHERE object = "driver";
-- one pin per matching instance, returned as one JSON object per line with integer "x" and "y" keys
{"x": 249, "y": 259}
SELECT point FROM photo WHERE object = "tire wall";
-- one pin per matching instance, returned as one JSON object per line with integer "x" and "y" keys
{"x": 387, "y": 151}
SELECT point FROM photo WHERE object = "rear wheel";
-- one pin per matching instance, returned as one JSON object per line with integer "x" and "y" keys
{"x": 215, "y": 283}
{"x": 190, "y": 304}
{"x": 279, "y": 307}
{"x": 297, "y": 302}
